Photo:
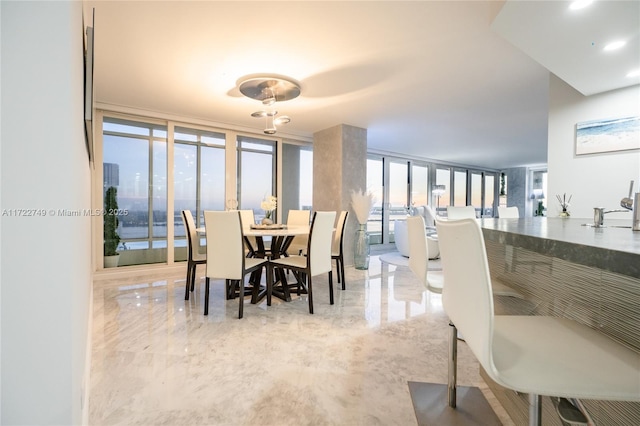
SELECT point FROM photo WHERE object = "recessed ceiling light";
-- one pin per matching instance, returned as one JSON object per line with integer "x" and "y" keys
{"x": 634, "y": 73}
{"x": 580, "y": 4}
{"x": 615, "y": 45}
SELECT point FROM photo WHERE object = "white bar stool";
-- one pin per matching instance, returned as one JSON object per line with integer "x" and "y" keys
{"x": 537, "y": 355}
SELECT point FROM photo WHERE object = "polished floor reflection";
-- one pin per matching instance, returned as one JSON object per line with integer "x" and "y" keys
{"x": 158, "y": 360}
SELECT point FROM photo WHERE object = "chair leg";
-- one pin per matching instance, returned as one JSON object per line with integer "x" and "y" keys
{"x": 331, "y": 287}
{"x": 193, "y": 276}
{"x": 269, "y": 283}
{"x": 341, "y": 259}
{"x": 227, "y": 289}
{"x": 206, "y": 296}
{"x": 241, "y": 297}
{"x": 188, "y": 285}
{"x": 453, "y": 365}
{"x": 257, "y": 275}
{"x": 310, "y": 294}
{"x": 337, "y": 268}
{"x": 535, "y": 410}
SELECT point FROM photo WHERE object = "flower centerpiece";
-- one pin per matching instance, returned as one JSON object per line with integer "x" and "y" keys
{"x": 269, "y": 204}
{"x": 362, "y": 203}
{"x": 564, "y": 203}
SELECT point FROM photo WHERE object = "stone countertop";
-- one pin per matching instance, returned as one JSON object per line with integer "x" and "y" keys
{"x": 611, "y": 248}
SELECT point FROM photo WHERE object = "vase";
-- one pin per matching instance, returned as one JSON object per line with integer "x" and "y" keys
{"x": 361, "y": 248}
{"x": 267, "y": 221}
{"x": 111, "y": 261}
{"x": 564, "y": 213}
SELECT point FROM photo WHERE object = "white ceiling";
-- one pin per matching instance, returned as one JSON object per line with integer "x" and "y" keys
{"x": 429, "y": 79}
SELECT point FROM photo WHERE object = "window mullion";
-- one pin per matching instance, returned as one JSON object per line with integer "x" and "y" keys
{"x": 198, "y": 181}
{"x": 150, "y": 185}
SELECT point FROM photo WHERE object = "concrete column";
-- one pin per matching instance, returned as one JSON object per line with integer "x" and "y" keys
{"x": 339, "y": 167}
{"x": 517, "y": 190}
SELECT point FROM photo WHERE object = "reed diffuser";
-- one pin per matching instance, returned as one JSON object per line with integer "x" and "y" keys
{"x": 564, "y": 203}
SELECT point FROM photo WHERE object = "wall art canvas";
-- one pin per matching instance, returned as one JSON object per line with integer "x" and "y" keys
{"x": 615, "y": 134}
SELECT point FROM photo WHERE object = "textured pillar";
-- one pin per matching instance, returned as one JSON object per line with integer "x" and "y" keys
{"x": 339, "y": 167}
{"x": 517, "y": 190}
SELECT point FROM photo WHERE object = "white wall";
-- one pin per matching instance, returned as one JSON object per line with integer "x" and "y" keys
{"x": 597, "y": 180}
{"x": 46, "y": 263}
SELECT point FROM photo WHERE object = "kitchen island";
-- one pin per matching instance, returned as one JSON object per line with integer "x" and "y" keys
{"x": 566, "y": 269}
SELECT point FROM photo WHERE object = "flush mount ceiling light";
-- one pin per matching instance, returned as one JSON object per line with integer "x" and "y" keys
{"x": 270, "y": 90}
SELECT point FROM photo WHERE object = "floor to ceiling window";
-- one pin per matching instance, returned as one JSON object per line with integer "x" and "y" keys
{"x": 483, "y": 193}
{"x": 476, "y": 192}
{"x": 256, "y": 173}
{"x": 401, "y": 185}
{"x": 198, "y": 178}
{"x": 138, "y": 153}
{"x": 459, "y": 188}
{"x": 489, "y": 200}
{"x": 135, "y": 163}
{"x": 443, "y": 196}
{"x": 398, "y": 196}
{"x": 135, "y": 156}
{"x": 419, "y": 185}
{"x": 375, "y": 176}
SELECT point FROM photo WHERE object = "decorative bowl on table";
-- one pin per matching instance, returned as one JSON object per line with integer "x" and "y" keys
{"x": 271, "y": 226}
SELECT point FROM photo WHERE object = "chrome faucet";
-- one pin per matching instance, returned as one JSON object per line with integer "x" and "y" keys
{"x": 598, "y": 215}
{"x": 627, "y": 202}
{"x": 635, "y": 224}
{"x": 631, "y": 204}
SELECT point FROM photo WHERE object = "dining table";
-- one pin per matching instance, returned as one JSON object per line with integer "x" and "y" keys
{"x": 281, "y": 235}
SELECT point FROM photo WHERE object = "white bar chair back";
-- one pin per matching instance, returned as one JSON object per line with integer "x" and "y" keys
{"x": 537, "y": 355}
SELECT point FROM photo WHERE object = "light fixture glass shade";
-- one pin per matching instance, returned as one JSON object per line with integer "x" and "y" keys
{"x": 270, "y": 127}
{"x": 282, "y": 120}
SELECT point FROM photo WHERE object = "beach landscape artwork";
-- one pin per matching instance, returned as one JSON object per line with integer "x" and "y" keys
{"x": 615, "y": 134}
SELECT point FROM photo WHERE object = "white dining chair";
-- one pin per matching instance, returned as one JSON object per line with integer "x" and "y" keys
{"x": 196, "y": 253}
{"x": 508, "y": 212}
{"x": 226, "y": 257}
{"x": 316, "y": 261}
{"x": 299, "y": 243}
{"x": 337, "y": 247}
{"x": 461, "y": 212}
{"x": 429, "y": 216}
{"x": 537, "y": 355}
{"x": 419, "y": 255}
{"x": 251, "y": 245}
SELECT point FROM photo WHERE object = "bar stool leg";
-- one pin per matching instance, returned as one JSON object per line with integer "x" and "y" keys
{"x": 535, "y": 410}
{"x": 453, "y": 365}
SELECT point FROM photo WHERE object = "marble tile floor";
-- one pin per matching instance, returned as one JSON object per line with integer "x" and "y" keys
{"x": 157, "y": 360}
